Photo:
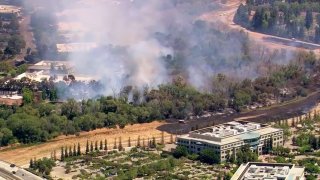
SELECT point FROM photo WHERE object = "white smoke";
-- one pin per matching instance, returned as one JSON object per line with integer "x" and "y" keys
{"x": 133, "y": 37}
{"x": 128, "y": 24}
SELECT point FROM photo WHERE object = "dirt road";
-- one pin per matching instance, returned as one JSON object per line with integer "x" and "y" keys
{"x": 21, "y": 156}
{"x": 26, "y": 31}
{"x": 226, "y": 14}
{"x": 27, "y": 34}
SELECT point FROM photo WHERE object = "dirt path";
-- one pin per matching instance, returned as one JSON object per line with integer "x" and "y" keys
{"x": 226, "y": 14}
{"x": 26, "y": 31}
{"x": 21, "y": 156}
{"x": 27, "y": 34}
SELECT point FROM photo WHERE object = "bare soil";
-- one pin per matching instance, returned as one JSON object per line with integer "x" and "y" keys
{"x": 26, "y": 32}
{"x": 22, "y": 155}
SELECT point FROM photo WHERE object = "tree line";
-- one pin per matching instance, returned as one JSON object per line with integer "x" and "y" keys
{"x": 38, "y": 122}
{"x": 290, "y": 19}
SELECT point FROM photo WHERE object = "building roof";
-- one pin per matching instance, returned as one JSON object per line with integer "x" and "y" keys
{"x": 48, "y": 65}
{"x": 9, "y": 9}
{"x": 40, "y": 76}
{"x": 11, "y": 100}
{"x": 55, "y": 63}
{"x": 228, "y": 129}
{"x": 268, "y": 171}
{"x": 75, "y": 47}
{"x": 230, "y": 132}
{"x": 250, "y": 135}
{"x": 39, "y": 67}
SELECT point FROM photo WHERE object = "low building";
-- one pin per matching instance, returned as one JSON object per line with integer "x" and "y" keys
{"x": 268, "y": 171}
{"x": 75, "y": 47}
{"x": 10, "y": 98}
{"x": 228, "y": 138}
{"x": 8, "y": 9}
{"x": 51, "y": 67}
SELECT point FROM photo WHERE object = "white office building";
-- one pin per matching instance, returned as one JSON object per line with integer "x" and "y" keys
{"x": 229, "y": 137}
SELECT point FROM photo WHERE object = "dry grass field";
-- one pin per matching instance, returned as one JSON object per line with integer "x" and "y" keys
{"x": 22, "y": 155}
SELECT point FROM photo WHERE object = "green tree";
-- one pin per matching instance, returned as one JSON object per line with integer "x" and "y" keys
{"x": 91, "y": 147}
{"x": 31, "y": 163}
{"x": 101, "y": 145}
{"x": 309, "y": 19}
{"x": 115, "y": 143}
{"x": 153, "y": 143}
{"x": 294, "y": 140}
{"x": 87, "y": 147}
{"x": 120, "y": 147}
{"x": 129, "y": 142}
{"x": 70, "y": 109}
{"x": 105, "y": 145}
{"x": 27, "y": 128}
{"x": 241, "y": 98}
{"x": 70, "y": 152}
{"x": 6, "y": 137}
{"x": 317, "y": 34}
{"x": 15, "y": 44}
{"x": 74, "y": 150}
{"x": 79, "y": 150}
{"x": 96, "y": 145}
{"x": 44, "y": 166}
{"x": 66, "y": 154}
{"x": 27, "y": 95}
{"x": 242, "y": 15}
{"x": 209, "y": 156}
{"x": 62, "y": 154}
{"x": 45, "y": 109}
{"x": 138, "y": 142}
{"x": 54, "y": 155}
{"x": 180, "y": 151}
{"x": 245, "y": 154}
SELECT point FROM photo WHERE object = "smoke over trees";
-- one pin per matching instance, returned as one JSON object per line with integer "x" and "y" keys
{"x": 144, "y": 43}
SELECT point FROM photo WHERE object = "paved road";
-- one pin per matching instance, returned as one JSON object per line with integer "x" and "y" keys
{"x": 20, "y": 173}
{"x": 261, "y": 116}
{"x": 7, "y": 175}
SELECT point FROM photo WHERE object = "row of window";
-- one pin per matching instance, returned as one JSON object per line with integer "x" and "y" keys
{"x": 232, "y": 145}
{"x": 183, "y": 141}
{"x": 272, "y": 134}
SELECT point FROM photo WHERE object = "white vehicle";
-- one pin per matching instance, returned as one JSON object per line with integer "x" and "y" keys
{"x": 182, "y": 121}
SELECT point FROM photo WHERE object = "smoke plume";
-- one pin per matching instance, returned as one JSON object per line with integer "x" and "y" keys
{"x": 148, "y": 42}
